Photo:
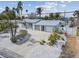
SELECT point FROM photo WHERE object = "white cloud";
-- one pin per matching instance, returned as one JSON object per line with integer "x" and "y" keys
{"x": 49, "y": 7}
{"x": 63, "y": 5}
{"x": 1, "y": 9}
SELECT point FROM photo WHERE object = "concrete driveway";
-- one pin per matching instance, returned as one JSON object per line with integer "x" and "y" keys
{"x": 26, "y": 48}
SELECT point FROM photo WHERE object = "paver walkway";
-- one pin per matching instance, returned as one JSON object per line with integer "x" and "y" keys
{"x": 74, "y": 42}
{"x": 72, "y": 45}
{"x": 77, "y": 48}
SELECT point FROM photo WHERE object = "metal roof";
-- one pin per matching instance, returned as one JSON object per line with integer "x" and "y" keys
{"x": 48, "y": 22}
{"x": 31, "y": 20}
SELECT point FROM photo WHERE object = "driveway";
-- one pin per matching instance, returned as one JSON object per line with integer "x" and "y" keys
{"x": 26, "y": 48}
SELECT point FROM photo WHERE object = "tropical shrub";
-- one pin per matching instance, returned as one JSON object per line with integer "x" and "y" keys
{"x": 53, "y": 38}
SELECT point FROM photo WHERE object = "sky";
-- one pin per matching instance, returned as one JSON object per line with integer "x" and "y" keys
{"x": 48, "y": 6}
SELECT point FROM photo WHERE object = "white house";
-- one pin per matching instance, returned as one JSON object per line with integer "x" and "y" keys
{"x": 42, "y": 25}
{"x": 29, "y": 23}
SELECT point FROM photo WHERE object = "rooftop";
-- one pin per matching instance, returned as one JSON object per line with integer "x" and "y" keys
{"x": 31, "y": 20}
{"x": 49, "y": 22}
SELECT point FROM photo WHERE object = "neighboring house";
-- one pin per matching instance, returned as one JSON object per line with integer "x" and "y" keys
{"x": 42, "y": 25}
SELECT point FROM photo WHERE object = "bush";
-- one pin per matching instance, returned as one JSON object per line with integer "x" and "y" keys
{"x": 53, "y": 38}
{"x": 19, "y": 37}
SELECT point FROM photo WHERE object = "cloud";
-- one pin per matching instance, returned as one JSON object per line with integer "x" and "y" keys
{"x": 48, "y": 7}
{"x": 12, "y": 3}
{"x": 1, "y": 9}
{"x": 63, "y": 5}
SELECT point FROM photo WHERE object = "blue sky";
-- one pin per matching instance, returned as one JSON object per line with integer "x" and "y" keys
{"x": 54, "y": 6}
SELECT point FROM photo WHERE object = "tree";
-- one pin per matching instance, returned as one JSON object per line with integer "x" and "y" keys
{"x": 6, "y": 8}
{"x": 9, "y": 15}
{"x": 76, "y": 13}
{"x": 46, "y": 17}
{"x": 19, "y": 8}
{"x": 26, "y": 10}
{"x": 32, "y": 15}
{"x": 14, "y": 14}
{"x": 39, "y": 10}
{"x": 72, "y": 21}
{"x": 51, "y": 15}
{"x": 57, "y": 15}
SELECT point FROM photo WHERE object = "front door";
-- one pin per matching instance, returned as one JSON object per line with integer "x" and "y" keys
{"x": 42, "y": 28}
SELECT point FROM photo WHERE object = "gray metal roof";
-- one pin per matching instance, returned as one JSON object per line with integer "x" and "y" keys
{"x": 48, "y": 22}
{"x": 31, "y": 20}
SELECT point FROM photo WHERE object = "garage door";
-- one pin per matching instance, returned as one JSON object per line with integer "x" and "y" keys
{"x": 48, "y": 29}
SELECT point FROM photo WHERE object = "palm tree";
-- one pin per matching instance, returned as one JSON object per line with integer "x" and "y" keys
{"x": 19, "y": 8}
{"x": 57, "y": 15}
{"x": 14, "y": 11}
{"x": 76, "y": 13}
{"x": 26, "y": 10}
{"x": 8, "y": 15}
{"x": 6, "y": 8}
{"x": 39, "y": 10}
{"x": 51, "y": 15}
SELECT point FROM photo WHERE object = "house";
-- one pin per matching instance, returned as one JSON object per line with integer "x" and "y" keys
{"x": 29, "y": 23}
{"x": 47, "y": 25}
{"x": 42, "y": 25}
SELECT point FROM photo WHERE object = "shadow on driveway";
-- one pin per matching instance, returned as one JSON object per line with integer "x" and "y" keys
{"x": 24, "y": 39}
